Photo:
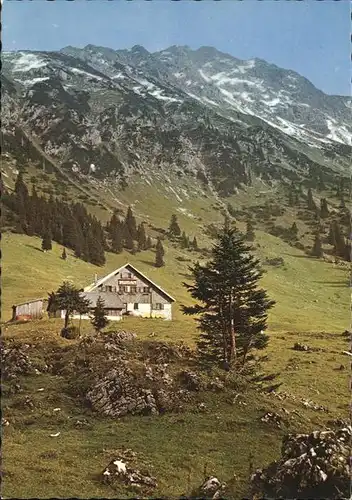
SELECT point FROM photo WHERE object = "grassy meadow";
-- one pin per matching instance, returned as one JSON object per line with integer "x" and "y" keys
{"x": 226, "y": 440}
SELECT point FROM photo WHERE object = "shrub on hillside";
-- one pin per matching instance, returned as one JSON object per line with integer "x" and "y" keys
{"x": 71, "y": 332}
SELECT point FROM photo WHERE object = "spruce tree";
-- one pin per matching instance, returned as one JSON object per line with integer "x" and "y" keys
{"x": 141, "y": 238}
{"x": 174, "y": 228}
{"x": 294, "y": 230}
{"x": 64, "y": 254}
{"x": 117, "y": 238}
{"x": 159, "y": 255}
{"x": 250, "y": 235}
{"x": 324, "y": 211}
{"x": 340, "y": 244}
{"x": 232, "y": 310}
{"x": 46, "y": 241}
{"x": 317, "y": 249}
{"x": 184, "y": 240}
{"x": 130, "y": 223}
{"x": 331, "y": 236}
{"x": 99, "y": 319}
{"x": 128, "y": 239}
{"x": 195, "y": 244}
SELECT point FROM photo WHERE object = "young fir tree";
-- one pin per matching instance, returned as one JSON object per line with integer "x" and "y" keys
{"x": 64, "y": 254}
{"x": 331, "y": 236}
{"x": 99, "y": 319}
{"x": 69, "y": 299}
{"x": 130, "y": 224}
{"x": 195, "y": 244}
{"x": 184, "y": 240}
{"x": 141, "y": 238}
{"x": 174, "y": 228}
{"x": 159, "y": 255}
{"x": 294, "y": 230}
{"x": 117, "y": 238}
{"x": 310, "y": 201}
{"x": 232, "y": 309}
{"x": 340, "y": 244}
{"x": 250, "y": 235}
{"x": 46, "y": 241}
{"x": 324, "y": 211}
{"x": 317, "y": 249}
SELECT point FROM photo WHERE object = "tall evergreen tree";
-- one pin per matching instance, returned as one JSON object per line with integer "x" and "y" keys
{"x": 317, "y": 249}
{"x": 117, "y": 239}
{"x": 128, "y": 239}
{"x": 184, "y": 240}
{"x": 195, "y": 244}
{"x": 294, "y": 230}
{"x": 324, "y": 211}
{"x": 46, "y": 241}
{"x": 250, "y": 235}
{"x": 340, "y": 244}
{"x": 141, "y": 238}
{"x": 331, "y": 236}
{"x": 232, "y": 309}
{"x": 174, "y": 228}
{"x": 159, "y": 255}
{"x": 99, "y": 319}
{"x": 310, "y": 201}
{"x": 130, "y": 223}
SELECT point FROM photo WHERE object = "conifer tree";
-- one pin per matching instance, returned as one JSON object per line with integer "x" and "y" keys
{"x": 159, "y": 255}
{"x": 99, "y": 319}
{"x": 174, "y": 228}
{"x": 64, "y": 254}
{"x": 130, "y": 223}
{"x": 310, "y": 201}
{"x": 331, "y": 236}
{"x": 294, "y": 230}
{"x": 128, "y": 239}
{"x": 141, "y": 238}
{"x": 250, "y": 235}
{"x": 324, "y": 211}
{"x": 117, "y": 238}
{"x": 184, "y": 240}
{"x": 340, "y": 244}
{"x": 46, "y": 241}
{"x": 232, "y": 310}
{"x": 317, "y": 249}
{"x": 195, "y": 244}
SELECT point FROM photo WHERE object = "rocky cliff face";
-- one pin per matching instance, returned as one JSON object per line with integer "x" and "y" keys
{"x": 200, "y": 114}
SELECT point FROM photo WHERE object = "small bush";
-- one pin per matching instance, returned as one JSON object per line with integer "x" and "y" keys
{"x": 72, "y": 332}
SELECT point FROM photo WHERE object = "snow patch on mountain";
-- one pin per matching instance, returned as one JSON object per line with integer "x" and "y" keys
{"x": 27, "y": 62}
{"x": 82, "y": 72}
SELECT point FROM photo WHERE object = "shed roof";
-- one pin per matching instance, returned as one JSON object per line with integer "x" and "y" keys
{"x": 95, "y": 285}
{"x": 30, "y": 301}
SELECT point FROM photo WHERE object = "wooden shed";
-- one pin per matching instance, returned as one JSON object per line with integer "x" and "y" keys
{"x": 32, "y": 309}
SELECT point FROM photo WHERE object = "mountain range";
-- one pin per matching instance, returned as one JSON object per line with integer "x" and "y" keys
{"x": 198, "y": 114}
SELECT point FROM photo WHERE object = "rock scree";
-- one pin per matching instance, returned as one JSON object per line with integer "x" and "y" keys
{"x": 315, "y": 465}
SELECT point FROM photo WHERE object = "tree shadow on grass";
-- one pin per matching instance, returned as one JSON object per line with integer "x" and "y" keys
{"x": 34, "y": 248}
{"x": 148, "y": 263}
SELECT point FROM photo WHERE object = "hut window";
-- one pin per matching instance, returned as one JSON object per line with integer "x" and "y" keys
{"x": 135, "y": 305}
{"x": 109, "y": 288}
{"x": 133, "y": 289}
{"x": 146, "y": 289}
{"x": 159, "y": 307}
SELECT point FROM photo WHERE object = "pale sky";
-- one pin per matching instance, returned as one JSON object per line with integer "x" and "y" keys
{"x": 311, "y": 37}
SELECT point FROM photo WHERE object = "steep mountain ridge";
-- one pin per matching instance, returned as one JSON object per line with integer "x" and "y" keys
{"x": 178, "y": 112}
